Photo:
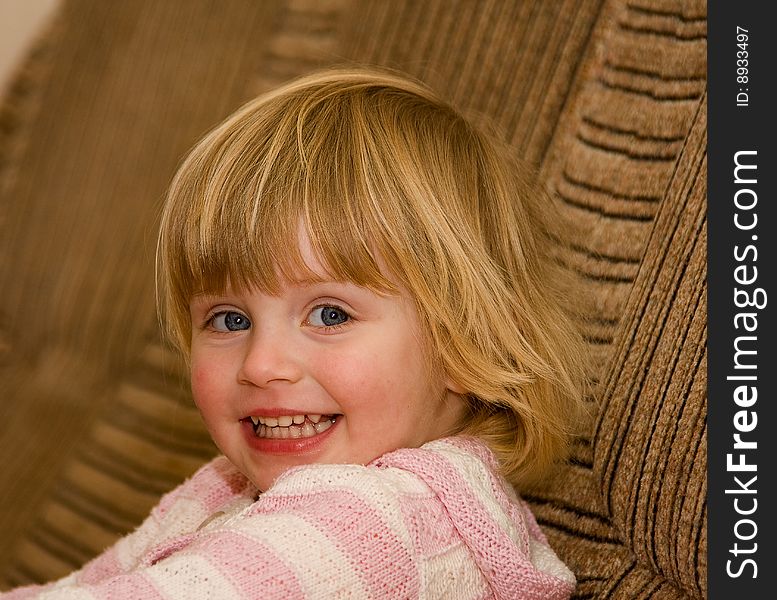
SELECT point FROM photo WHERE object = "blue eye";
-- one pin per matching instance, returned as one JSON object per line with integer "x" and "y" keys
{"x": 328, "y": 316}
{"x": 230, "y": 321}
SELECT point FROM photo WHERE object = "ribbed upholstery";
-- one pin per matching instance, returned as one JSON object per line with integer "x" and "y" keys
{"x": 620, "y": 155}
{"x": 606, "y": 98}
{"x": 650, "y": 457}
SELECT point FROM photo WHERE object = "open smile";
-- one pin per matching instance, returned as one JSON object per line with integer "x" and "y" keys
{"x": 281, "y": 435}
{"x": 291, "y": 426}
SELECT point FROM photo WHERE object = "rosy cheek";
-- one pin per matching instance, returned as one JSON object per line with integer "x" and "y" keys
{"x": 201, "y": 381}
{"x": 198, "y": 374}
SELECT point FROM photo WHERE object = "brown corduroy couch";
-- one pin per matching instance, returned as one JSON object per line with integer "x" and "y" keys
{"x": 606, "y": 98}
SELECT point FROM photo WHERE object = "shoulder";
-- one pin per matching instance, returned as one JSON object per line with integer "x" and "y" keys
{"x": 459, "y": 466}
{"x": 433, "y": 515}
{"x": 331, "y": 497}
{"x": 390, "y": 485}
{"x": 393, "y": 507}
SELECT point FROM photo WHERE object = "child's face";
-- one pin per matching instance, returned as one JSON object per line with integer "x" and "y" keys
{"x": 342, "y": 364}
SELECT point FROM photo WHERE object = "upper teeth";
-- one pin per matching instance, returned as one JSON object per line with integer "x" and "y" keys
{"x": 284, "y": 421}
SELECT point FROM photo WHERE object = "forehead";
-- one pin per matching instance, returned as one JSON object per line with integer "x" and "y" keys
{"x": 312, "y": 266}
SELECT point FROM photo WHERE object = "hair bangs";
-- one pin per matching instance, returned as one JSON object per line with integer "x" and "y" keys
{"x": 246, "y": 218}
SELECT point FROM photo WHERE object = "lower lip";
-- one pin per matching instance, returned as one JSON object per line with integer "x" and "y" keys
{"x": 289, "y": 445}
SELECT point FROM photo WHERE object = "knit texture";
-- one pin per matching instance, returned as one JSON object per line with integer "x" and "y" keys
{"x": 432, "y": 522}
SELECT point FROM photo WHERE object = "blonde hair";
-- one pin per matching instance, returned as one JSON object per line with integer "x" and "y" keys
{"x": 378, "y": 168}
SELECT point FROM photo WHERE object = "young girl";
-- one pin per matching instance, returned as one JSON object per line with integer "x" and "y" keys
{"x": 361, "y": 283}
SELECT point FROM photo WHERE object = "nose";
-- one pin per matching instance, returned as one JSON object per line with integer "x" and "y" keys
{"x": 269, "y": 358}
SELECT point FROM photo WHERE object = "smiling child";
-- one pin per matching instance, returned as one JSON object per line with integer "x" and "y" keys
{"x": 362, "y": 285}
{"x": 320, "y": 371}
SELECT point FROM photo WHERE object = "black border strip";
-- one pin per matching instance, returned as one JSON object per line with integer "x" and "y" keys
{"x": 734, "y": 128}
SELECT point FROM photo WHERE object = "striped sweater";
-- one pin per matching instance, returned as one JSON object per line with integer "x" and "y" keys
{"x": 429, "y": 522}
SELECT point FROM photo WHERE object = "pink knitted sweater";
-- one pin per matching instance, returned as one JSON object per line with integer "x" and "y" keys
{"x": 430, "y": 522}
